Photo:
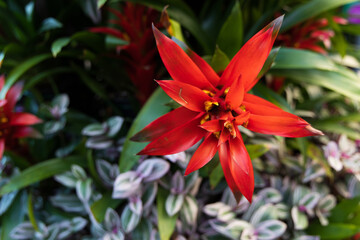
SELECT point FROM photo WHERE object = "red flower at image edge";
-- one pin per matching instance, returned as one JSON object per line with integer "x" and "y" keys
{"x": 14, "y": 125}
{"x": 214, "y": 107}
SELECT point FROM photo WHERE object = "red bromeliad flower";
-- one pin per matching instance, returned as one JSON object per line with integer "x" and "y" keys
{"x": 214, "y": 107}
{"x": 313, "y": 35}
{"x": 140, "y": 54}
{"x": 14, "y": 125}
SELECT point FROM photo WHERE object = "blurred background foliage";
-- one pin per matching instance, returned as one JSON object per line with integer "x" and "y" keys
{"x": 88, "y": 69}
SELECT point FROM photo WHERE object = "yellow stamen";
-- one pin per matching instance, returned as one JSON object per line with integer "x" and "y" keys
{"x": 209, "y": 93}
{"x": 245, "y": 124}
{"x": 216, "y": 134}
{"x": 205, "y": 118}
{"x": 242, "y": 107}
{"x": 230, "y": 127}
{"x": 226, "y": 91}
{"x": 210, "y": 105}
{"x": 4, "y": 120}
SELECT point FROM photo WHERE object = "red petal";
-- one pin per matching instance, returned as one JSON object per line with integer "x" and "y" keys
{"x": 236, "y": 92}
{"x": 177, "y": 140}
{"x": 178, "y": 63}
{"x": 267, "y": 118}
{"x": 251, "y": 57}
{"x": 260, "y": 106}
{"x": 224, "y": 136}
{"x": 205, "y": 68}
{"x": 239, "y": 120}
{"x": 24, "y": 119}
{"x": 244, "y": 180}
{"x": 164, "y": 124}
{"x": 13, "y": 96}
{"x": 187, "y": 95}
{"x": 3, "y": 102}
{"x": 239, "y": 154}
{"x": 2, "y": 147}
{"x": 225, "y": 158}
{"x": 203, "y": 154}
{"x": 212, "y": 126}
{"x": 281, "y": 126}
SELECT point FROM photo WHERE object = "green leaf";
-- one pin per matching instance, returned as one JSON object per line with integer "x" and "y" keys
{"x": 291, "y": 58}
{"x": 309, "y": 10}
{"x": 269, "y": 62}
{"x": 58, "y": 45}
{"x": 353, "y": 117}
{"x": 231, "y": 34}
{"x": 256, "y": 150}
{"x": 316, "y": 153}
{"x": 154, "y": 108}
{"x": 176, "y": 27}
{"x": 337, "y": 124}
{"x": 219, "y": 60}
{"x": 216, "y": 175}
{"x": 344, "y": 209}
{"x": 165, "y": 222}
{"x": 13, "y": 216}
{"x": 112, "y": 42}
{"x": 18, "y": 71}
{"x": 338, "y": 82}
{"x": 31, "y": 212}
{"x": 333, "y": 230}
{"x": 266, "y": 93}
{"x": 40, "y": 172}
{"x": 50, "y": 24}
{"x": 30, "y": 82}
{"x": 99, "y": 207}
{"x": 353, "y": 29}
{"x": 2, "y": 56}
{"x": 101, "y": 3}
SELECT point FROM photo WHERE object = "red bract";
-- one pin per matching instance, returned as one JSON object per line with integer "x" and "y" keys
{"x": 214, "y": 107}
{"x": 135, "y": 23}
{"x": 14, "y": 125}
{"x": 312, "y": 35}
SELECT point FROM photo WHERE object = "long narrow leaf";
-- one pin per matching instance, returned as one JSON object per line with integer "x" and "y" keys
{"x": 40, "y": 172}
{"x": 154, "y": 108}
{"x": 17, "y": 72}
{"x": 309, "y": 10}
{"x": 13, "y": 216}
{"x": 332, "y": 80}
{"x": 165, "y": 222}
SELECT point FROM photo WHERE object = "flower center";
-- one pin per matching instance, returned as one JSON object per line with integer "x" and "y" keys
{"x": 228, "y": 119}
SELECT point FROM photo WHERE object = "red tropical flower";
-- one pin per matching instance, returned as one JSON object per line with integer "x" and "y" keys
{"x": 313, "y": 35}
{"x": 14, "y": 125}
{"x": 140, "y": 54}
{"x": 214, "y": 107}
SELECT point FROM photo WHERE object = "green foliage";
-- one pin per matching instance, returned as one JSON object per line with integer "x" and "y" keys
{"x": 40, "y": 172}
{"x": 84, "y": 172}
{"x": 165, "y": 222}
{"x": 231, "y": 34}
{"x": 154, "y": 108}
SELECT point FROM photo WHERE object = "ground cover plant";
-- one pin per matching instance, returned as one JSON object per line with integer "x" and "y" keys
{"x": 178, "y": 120}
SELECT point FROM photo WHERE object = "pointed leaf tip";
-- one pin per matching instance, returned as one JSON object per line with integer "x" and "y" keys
{"x": 276, "y": 25}
{"x": 314, "y": 130}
